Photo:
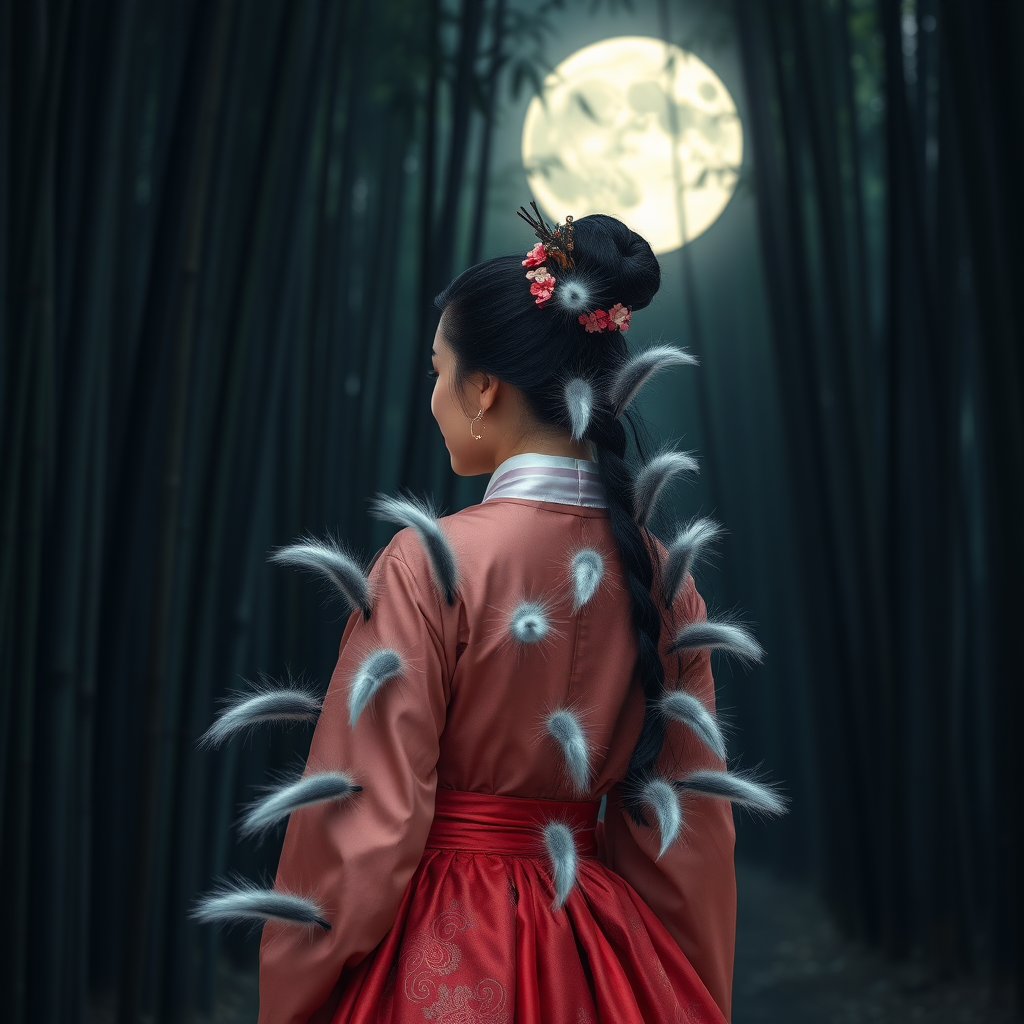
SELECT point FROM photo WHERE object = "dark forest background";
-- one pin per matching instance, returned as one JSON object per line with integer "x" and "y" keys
{"x": 222, "y": 223}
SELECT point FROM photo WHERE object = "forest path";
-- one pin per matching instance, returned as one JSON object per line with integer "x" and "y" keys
{"x": 793, "y": 966}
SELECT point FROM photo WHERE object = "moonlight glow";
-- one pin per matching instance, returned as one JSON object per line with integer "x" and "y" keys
{"x": 637, "y": 128}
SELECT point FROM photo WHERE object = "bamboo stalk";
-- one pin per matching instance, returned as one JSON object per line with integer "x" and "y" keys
{"x": 233, "y": 405}
{"x": 8, "y": 482}
{"x": 38, "y": 338}
{"x": 483, "y": 163}
{"x": 261, "y": 415}
{"x": 62, "y": 664}
{"x": 785, "y": 270}
{"x": 994, "y": 251}
{"x": 412, "y": 453}
{"x": 147, "y": 871}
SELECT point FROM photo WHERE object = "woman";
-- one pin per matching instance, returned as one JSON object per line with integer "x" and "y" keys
{"x": 490, "y": 690}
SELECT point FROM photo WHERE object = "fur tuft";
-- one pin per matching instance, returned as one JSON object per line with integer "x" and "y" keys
{"x": 246, "y": 901}
{"x": 561, "y": 848}
{"x": 529, "y": 623}
{"x": 565, "y": 728}
{"x": 319, "y": 788}
{"x": 375, "y": 670}
{"x": 653, "y": 478}
{"x": 727, "y": 636}
{"x": 638, "y": 370}
{"x": 587, "y": 571}
{"x": 683, "y": 551}
{"x": 265, "y": 705}
{"x": 327, "y": 558}
{"x": 574, "y": 295}
{"x": 579, "y": 400}
{"x": 738, "y": 789}
{"x": 421, "y": 516}
{"x": 662, "y": 799}
{"x": 686, "y": 708}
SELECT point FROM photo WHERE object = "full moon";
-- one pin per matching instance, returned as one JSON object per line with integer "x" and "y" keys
{"x": 637, "y": 128}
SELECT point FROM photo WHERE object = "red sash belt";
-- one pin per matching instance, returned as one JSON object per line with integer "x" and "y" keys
{"x": 509, "y": 825}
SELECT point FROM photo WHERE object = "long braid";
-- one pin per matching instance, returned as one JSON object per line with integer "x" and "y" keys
{"x": 609, "y": 438}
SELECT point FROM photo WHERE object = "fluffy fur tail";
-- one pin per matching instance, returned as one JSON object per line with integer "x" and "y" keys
{"x": 420, "y": 515}
{"x": 562, "y": 854}
{"x": 686, "y": 708}
{"x": 654, "y": 477}
{"x": 638, "y": 370}
{"x": 579, "y": 400}
{"x": 529, "y": 622}
{"x": 727, "y": 636}
{"x": 566, "y": 730}
{"x": 375, "y": 670}
{"x": 587, "y": 572}
{"x": 662, "y": 799}
{"x": 265, "y": 705}
{"x": 328, "y": 559}
{"x": 244, "y": 901}
{"x": 683, "y": 551}
{"x": 319, "y": 788}
{"x": 738, "y": 789}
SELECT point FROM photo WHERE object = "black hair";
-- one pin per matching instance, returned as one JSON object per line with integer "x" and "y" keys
{"x": 492, "y": 323}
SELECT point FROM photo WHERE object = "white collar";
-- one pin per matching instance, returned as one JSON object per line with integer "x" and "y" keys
{"x": 558, "y": 478}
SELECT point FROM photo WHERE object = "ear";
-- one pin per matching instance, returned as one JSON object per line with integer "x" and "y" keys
{"x": 483, "y": 389}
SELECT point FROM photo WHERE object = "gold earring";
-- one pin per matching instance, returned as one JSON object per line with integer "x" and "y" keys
{"x": 478, "y": 416}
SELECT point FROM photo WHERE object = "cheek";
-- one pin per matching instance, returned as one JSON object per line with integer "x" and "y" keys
{"x": 441, "y": 405}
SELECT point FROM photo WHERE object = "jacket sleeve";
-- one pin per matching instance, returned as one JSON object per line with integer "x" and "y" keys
{"x": 692, "y": 887}
{"x": 358, "y": 855}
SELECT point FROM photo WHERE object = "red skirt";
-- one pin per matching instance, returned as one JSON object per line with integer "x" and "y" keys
{"x": 476, "y": 940}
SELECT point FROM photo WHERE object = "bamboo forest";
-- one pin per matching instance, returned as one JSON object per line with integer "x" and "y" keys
{"x": 223, "y": 225}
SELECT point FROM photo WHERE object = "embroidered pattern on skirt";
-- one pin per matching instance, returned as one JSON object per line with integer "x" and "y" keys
{"x": 465, "y": 1005}
{"x": 429, "y": 956}
{"x": 433, "y": 955}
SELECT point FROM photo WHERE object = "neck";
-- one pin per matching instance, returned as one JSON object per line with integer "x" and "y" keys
{"x": 543, "y": 444}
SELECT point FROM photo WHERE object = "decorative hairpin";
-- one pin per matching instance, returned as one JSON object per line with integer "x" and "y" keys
{"x": 556, "y": 241}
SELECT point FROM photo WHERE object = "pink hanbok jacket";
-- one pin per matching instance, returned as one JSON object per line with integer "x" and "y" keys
{"x": 467, "y": 714}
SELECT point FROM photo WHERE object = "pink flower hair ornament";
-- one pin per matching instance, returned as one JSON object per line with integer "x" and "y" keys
{"x": 536, "y": 256}
{"x": 614, "y": 319}
{"x": 543, "y": 283}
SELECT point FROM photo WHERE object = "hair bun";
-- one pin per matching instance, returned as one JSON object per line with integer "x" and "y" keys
{"x": 620, "y": 262}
